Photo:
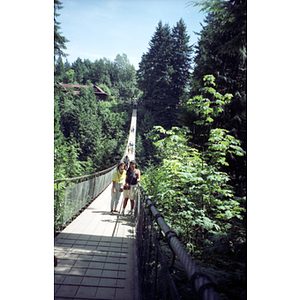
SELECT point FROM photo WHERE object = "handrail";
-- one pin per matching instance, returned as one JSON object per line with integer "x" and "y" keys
{"x": 91, "y": 185}
{"x": 202, "y": 284}
{"x": 155, "y": 280}
{"x": 87, "y": 176}
{"x": 94, "y": 174}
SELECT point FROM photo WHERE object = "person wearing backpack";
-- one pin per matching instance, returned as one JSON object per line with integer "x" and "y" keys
{"x": 126, "y": 162}
{"x": 131, "y": 186}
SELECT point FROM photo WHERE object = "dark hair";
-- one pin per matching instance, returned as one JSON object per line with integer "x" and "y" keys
{"x": 134, "y": 162}
{"x": 120, "y": 165}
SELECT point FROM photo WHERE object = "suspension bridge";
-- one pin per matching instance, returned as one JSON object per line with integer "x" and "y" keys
{"x": 100, "y": 255}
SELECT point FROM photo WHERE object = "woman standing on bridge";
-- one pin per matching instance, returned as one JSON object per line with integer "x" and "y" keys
{"x": 117, "y": 188}
{"x": 132, "y": 178}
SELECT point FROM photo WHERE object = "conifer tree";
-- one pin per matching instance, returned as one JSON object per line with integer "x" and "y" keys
{"x": 59, "y": 40}
{"x": 59, "y": 73}
{"x": 154, "y": 70}
{"x": 180, "y": 61}
{"x": 221, "y": 52}
{"x": 221, "y": 49}
{"x": 163, "y": 71}
{"x": 80, "y": 70}
{"x": 67, "y": 65}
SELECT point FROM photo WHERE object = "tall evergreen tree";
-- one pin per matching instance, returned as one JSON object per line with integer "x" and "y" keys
{"x": 221, "y": 49}
{"x": 69, "y": 73}
{"x": 97, "y": 71}
{"x": 87, "y": 66}
{"x": 59, "y": 73}
{"x": 158, "y": 68}
{"x": 80, "y": 70}
{"x": 67, "y": 66}
{"x": 180, "y": 60}
{"x": 221, "y": 52}
{"x": 59, "y": 40}
{"x": 163, "y": 71}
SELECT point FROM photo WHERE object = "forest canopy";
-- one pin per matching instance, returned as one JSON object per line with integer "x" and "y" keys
{"x": 191, "y": 130}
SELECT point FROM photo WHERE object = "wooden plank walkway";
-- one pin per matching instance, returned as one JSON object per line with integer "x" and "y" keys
{"x": 96, "y": 253}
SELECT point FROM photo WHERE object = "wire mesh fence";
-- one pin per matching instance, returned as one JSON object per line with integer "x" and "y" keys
{"x": 155, "y": 281}
{"x": 73, "y": 195}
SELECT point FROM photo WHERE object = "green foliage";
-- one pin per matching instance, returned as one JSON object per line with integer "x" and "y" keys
{"x": 194, "y": 196}
{"x": 69, "y": 76}
{"x": 124, "y": 77}
{"x": 59, "y": 40}
{"x": 189, "y": 186}
{"x": 89, "y": 136}
{"x": 145, "y": 150}
{"x": 192, "y": 189}
{"x": 66, "y": 150}
{"x": 220, "y": 143}
{"x": 207, "y": 108}
{"x": 59, "y": 72}
{"x": 221, "y": 51}
{"x": 117, "y": 78}
{"x": 229, "y": 14}
{"x": 191, "y": 173}
{"x": 105, "y": 88}
{"x": 154, "y": 71}
{"x": 90, "y": 132}
{"x": 164, "y": 72}
{"x": 207, "y": 111}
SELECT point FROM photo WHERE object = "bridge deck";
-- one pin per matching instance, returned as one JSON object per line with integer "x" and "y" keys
{"x": 96, "y": 255}
{"x": 96, "y": 252}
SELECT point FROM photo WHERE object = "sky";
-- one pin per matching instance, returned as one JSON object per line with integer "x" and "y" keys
{"x": 105, "y": 28}
{"x": 27, "y": 125}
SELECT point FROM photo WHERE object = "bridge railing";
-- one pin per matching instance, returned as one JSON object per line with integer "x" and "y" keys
{"x": 74, "y": 194}
{"x": 155, "y": 280}
{"x": 154, "y": 276}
